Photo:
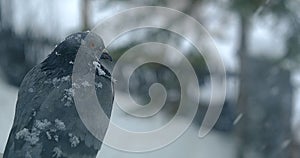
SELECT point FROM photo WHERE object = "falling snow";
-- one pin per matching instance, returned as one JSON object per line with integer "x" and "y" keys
{"x": 238, "y": 118}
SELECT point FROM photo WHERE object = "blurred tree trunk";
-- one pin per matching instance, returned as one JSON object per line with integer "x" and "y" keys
{"x": 85, "y": 15}
{"x": 265, "y": 100}
{"x": 0, "y": 14}
{"x": 6, "y": 13}
{"x": 295, "y": 149}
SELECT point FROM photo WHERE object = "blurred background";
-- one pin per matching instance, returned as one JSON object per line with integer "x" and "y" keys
{"x": 258, "y": 40}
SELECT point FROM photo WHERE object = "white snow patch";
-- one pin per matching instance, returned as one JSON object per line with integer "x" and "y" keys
{"x": 70, "y": 92}
{"x": 66, "y": 78}
{"x": 21, "y": 134}
{"x": 86, "y": 84}
{"x": 56, "y": 80}
{"x": 56, "y": 138}
{"x": 74, "y": 140}
{"x": 60, "y": 125}
{"x": 78, "y": 37}
{"x": 99, "y": 85}
{"x": 57, "y": 152}
{"x": 68, "y": 96}
{"x": 31, "y": 137}
{"x": 48, "y": 135}
{"x": 53, "y": 130}
{"x": 83, "y": 42}
{"x": 34, "y": 113}
{"x": 75, "y": 85}
{"x": 42, "y": 124}
{"x": 30, "y": 90}
{"x": 98, "y": 67}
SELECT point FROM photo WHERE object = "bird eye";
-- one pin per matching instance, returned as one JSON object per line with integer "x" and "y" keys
{"x": 92, "y": 45}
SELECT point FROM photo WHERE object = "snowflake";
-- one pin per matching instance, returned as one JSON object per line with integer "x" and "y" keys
{"x": 73, "y": 140}
{"x": 57, "y": 152}
{"x": 60, "y": 125}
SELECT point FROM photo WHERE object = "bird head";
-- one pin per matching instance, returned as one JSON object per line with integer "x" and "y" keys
{"x": 62, "y": 59}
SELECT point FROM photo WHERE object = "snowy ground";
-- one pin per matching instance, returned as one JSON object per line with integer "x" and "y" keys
{"x": 189, "y": 145}
{"x": 214, "y": 145}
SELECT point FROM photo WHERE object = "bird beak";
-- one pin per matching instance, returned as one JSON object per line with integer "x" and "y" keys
{"x": 108, "y": 65}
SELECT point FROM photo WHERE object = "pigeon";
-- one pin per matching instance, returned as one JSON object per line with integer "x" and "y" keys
{"x": 46, "y": 122}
